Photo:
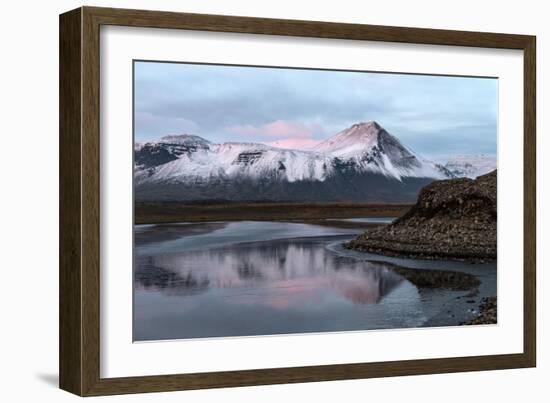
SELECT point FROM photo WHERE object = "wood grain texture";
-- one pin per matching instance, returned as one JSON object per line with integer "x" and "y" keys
{"x": 80, "y": 200}
{"x": 316, "y": 29}
{"x": 530, "y": 202}
{"x": 90, "y": 202}
{"x": 70, "y": 270}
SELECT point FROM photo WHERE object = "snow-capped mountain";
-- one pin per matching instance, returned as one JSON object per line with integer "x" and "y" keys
{"x": 373, "y": 149}
{"x": 471, "y": 166}
{"x": 186, "y": 162}
{"x": 167, "y": 149}
{"x": 361, "y": 163}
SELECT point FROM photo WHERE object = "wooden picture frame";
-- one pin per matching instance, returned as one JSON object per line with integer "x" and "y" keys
{"x": 79, "y": 279}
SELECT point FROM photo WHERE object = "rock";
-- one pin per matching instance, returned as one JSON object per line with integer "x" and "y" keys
{"x": 487, "y": 312}
{"x": 452, "y": 219}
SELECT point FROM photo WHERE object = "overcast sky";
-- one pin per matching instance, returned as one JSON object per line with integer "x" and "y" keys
{"x": 435, "y": 116}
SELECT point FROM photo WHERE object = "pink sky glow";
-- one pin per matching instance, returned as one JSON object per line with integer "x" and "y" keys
{"x": 281, "y": 133}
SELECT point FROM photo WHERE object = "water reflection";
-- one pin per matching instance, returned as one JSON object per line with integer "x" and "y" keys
{"x": 276, "y": 286}
{"x": 259, "y": 278}
{"x": 152, "y": 277}
{"x": 177, "y": 238}
{"x": 291, "y": 270}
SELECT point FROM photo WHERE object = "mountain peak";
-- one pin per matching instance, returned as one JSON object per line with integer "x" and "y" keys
{"x": 359, "y": 137}
{"x": 370, "y": 127}
{"x": 364, "y": 131}
{"x": 370, "y": 146}
{"x": 183, "y": 139}
{"x": 367, "y": 125}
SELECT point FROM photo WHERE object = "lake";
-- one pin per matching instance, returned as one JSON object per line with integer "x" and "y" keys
{"x": 249, "y": 278}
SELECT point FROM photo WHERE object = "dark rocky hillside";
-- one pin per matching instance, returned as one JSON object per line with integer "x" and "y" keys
{"x": 452, "y": 219}
{"x": 342, "y": 186}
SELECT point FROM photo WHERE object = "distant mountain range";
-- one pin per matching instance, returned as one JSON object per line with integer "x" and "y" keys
{"x": 361, "y": 163}
{"x": 471, "y": 166}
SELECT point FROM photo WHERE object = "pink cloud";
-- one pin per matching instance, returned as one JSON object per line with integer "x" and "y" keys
{"x": 277, "y": 129}
{"x": 294, "y": 143}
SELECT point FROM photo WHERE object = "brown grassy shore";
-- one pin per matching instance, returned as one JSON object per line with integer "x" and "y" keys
{"x": 169, "y": 212}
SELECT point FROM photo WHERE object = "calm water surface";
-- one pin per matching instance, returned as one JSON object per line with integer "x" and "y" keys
{"x": 260, "y": 278}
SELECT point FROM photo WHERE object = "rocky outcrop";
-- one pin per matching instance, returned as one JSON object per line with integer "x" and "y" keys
{"x": 487, "y": 313}
{"x": 452, "y": 219}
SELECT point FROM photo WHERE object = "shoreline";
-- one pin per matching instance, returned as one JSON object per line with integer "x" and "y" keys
{"x": 418, "y": 254}
{"x": 477, "y": 279}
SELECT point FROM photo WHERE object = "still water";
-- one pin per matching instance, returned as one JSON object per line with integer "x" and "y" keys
{"x": 260, "y": 278}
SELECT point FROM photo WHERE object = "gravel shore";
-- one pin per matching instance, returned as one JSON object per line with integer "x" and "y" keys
{"x": 453, "y": 219}
{"x": 487, "y": 312}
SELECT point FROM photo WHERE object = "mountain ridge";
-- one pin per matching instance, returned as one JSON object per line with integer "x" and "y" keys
{"x": 471, "y": 165}
{"x": 359, "y": 161}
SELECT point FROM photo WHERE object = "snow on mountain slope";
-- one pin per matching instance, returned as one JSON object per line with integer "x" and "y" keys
{"x": 359, "y": 138}
{"x": 471, "y": 166}
{"x": 372, "y": 148}
{"x": 167, "y": 149}
{"x": 250, "y": 160}
{"x": 362, "y": 148}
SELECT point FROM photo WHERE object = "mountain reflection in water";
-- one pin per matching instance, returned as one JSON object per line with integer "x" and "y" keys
{"x": 232, "y": 279}
{"x": 292, "y": 272}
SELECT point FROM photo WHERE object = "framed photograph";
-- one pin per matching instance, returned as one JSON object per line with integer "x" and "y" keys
{"x": 249, "y": 201}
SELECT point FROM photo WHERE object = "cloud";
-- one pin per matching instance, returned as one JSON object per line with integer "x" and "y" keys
{"x": 221, "y": 97}
{"x": 430, "y": 114}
